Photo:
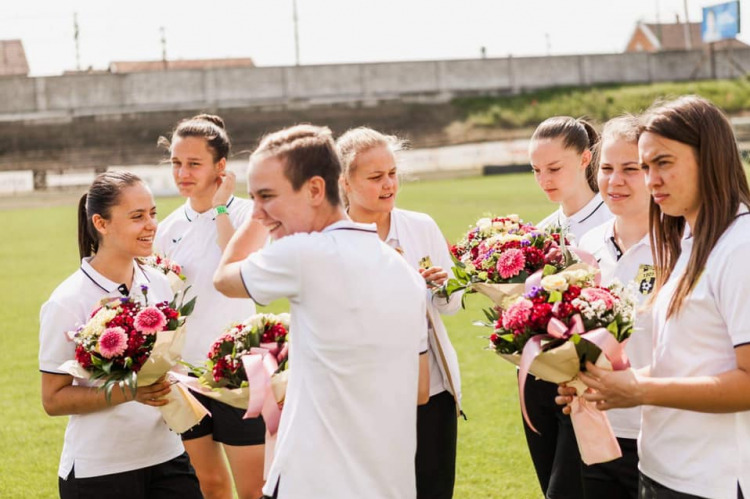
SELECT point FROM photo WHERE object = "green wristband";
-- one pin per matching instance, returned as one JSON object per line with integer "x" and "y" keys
{"x": 220, "y": 210}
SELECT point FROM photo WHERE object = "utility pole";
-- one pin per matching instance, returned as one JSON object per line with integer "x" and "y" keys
{"x": 163, "y": 47}
{"x": 296, "y": 32}
{"x": 686, "y": 28}
{"x": 75, "y": 37}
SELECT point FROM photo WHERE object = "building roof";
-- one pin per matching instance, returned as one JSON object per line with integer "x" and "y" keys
{"x": 13, "y": 58}
{"x": 671, "y": 36}
{"x": 139, "y": 66}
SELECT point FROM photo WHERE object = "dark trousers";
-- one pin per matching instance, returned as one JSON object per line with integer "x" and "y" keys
{"x": 554, "y": 451}
{"x": 435, "y": 461}
{"x": 650, "y": 489}
{"x": 174, "y": 479}
{"x": 616, "y": 479}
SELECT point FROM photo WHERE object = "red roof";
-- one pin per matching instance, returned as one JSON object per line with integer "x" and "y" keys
{"x": 13, "y": 58}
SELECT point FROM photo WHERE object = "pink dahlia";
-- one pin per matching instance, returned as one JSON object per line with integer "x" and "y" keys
{"x": 150, "y": 320}
{"x": 510, "y": 263}
{"x": 113, "y": 342}
{"x": 517, "y": 315}
{"x": 598, "y": 294}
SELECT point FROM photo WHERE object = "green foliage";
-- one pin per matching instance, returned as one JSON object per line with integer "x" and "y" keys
{"x": 40, "y": 251}
{"x": 599, "y": 103}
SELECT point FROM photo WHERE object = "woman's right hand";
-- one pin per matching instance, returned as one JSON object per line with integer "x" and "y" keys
{"x": 153, "y": 394}
{"x": 565, "y": 395}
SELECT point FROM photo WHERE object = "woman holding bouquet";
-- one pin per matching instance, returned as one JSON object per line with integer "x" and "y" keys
{"x": 621, "y": 246}
{"x": 118, "y": 447}
{"x": 369, "y": 182}
{"x": 194, "y": 236}
{"x": 696, "y": 392}
{"x": 562, "y": 153}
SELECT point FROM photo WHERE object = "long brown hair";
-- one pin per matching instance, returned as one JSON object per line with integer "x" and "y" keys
{"x": 722, "y": 186}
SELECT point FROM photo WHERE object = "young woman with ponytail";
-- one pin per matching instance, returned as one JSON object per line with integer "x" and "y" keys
{"x": 563, "y": 155}
{"x": 194, "y": 236}
{"x": 119, "y": 448}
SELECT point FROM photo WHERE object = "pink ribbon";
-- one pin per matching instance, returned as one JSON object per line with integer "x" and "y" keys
{"x": 260, "y": 365}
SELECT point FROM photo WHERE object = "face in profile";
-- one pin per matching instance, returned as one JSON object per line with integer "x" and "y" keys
{"x": 372, "y": 183}
{"x": 193, "y": 167}
{"x": 671, "y": 175}
{"x": 131, "y": 225}
{"x": 558, "y": 170}
{"x": 281, "y": 209}
{"x": 622, "y": 182}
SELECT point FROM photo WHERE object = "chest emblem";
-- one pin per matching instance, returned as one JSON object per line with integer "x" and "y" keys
{"x": 646, "y": 278}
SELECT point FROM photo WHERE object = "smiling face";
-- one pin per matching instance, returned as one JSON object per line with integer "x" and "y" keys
{"x": 131, "y": 225}
{"x": 277, "y": 205}
{"x": 371, "y": 184}
{"x": 671, "y": 175}
{"x": 621, "y": 180}
{"x": 193, "y": 168}
{"x": 559, "y": 171}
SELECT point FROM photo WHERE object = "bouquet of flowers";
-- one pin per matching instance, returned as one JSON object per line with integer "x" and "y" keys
{"x": 498, "y": 254}
{"x": 244, "y": 359}
{"x": 129, "y": 343}
{"x": 554, "y": 328}
{"x": 169, "y": 268}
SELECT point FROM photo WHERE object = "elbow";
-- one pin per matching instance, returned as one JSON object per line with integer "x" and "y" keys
{"x": 220, "y": 281}
{"x": 423, "y": 397}
{"x": 50, "y": 407}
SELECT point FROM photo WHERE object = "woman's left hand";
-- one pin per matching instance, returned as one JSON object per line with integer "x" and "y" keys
{"x": 226, "y": 183}
{"x": 434, "y": 276}
{"x": 612, "y": 389}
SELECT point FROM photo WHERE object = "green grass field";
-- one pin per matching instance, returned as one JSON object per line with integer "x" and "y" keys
{"x": 39, "y": 250}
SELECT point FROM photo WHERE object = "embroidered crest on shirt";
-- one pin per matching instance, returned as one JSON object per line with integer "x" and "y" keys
{"x": 646, "y": 278}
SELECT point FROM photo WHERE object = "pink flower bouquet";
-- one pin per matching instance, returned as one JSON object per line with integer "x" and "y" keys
{"x": 127, "y": 343}
{"x": 169, "y": 268}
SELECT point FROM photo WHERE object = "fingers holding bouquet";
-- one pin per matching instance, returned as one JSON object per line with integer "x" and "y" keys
{"x": 611, "y": 389}
{"x": 154, "y": 393}
{"x": 434, "y": 276}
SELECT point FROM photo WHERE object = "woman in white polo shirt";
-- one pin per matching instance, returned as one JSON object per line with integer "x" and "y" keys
{"x": 696, "y": 392}
{"x": 562, "y": 153}
{"x": 621, "y": 246}
{"x": 194, "y": 236}
{"x": 120, "y": 449}
{"x": 369, "y": 181}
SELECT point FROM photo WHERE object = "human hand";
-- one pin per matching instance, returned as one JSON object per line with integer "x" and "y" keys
{"x": 612, "y": 389}
{"x": 153, "y": 394}
{"x": 565, "y": 396}
{"x": 434, "y": 276}
{"x": 226, "y": 183}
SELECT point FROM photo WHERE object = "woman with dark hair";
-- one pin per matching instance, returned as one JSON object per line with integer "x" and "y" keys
{"x": 563, "y": 155}
{"x": 194, "y": 236}
{"x": 696, "y": 392}
{"x": 113, "y": 448}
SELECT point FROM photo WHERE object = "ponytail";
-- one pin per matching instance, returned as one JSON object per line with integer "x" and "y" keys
{"x": 593, "y": 142}
{"x": 87, "y": 244}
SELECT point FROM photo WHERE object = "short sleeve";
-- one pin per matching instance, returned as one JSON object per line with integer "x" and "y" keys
{"x": 733, "y": 289}
{"x": 54, "y": 346}
{"x": 274, "y": 271}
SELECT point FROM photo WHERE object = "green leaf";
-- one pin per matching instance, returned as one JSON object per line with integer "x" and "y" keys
{"x": 548, "y": 270}
{"x": 555, "y": 296}
{"x": 187, "y": 308}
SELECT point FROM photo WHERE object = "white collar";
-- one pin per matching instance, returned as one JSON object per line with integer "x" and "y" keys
{"x": 584, "y": 213}
{"x": 347, "y": 224}
{"x": 191, "y": 214}
{"x": 109, "y": 287}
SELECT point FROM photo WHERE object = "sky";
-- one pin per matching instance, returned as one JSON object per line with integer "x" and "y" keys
{"x": 330, "y": 31}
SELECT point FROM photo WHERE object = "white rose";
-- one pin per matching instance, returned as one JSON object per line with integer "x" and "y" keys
{"x": 514, "y": 218}
{"x": 484, "y": 224}
{"x": 554, "y": 282}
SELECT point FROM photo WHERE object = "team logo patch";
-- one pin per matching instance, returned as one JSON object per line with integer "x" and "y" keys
{"x": 646, "y": 278}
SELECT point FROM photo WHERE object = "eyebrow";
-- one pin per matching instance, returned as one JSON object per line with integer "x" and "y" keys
{"x": 139, "y": 210}
{"x": 661, "y": 156}
{"x": 263, "y": 191}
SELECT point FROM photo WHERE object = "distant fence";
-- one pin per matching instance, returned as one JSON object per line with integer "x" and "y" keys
{"x": 102, "y": 94}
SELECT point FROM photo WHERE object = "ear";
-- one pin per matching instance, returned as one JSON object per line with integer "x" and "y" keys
{"x": 99, "y": 223}
{"x": 344, "y": 183}
{"x": 221, "y": 165}
{"x": 586, "y": 158}
{"x": 316, "y": 190}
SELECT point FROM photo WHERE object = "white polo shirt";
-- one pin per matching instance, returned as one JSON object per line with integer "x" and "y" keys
{"x": 125, "y": 437}
{"x": 348, "y": 428}
{"x": 634, "y": 266}
{"x": 593, "y": 214}
{"x": 189, "y": 238}
{"x": 693, "y": 452}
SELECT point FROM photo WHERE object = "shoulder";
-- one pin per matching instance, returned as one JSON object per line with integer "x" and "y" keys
{"x": 170, "y": 222}
{"x": 416, "y": 220}
{"x": 595, "y": 238}
{"x": 68, "y": 292}
{"x": 734, "y": 242}
{"x": 551, "y": 219}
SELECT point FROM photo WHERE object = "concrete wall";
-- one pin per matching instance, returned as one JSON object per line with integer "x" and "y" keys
{"x": 81, "y": 95}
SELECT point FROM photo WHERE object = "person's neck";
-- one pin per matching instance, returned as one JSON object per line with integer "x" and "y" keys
{"x": 202, "y": 204}
{"x": 629, "y": 231}
{"x": 328, "y": 215}
{"x": 117, "y": 267}
{"x": 382, "y": 219}
{"x": 576, "y": 202}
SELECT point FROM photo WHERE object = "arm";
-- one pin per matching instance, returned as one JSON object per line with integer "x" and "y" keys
{"x": 723, "y": 393}
{"x": 440, "y": 247}
{"x": 424, "y": 379}
{"x": 249, "y": 238}
{"x": 224, "y": 227}
{"x": 61, "y": 398}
